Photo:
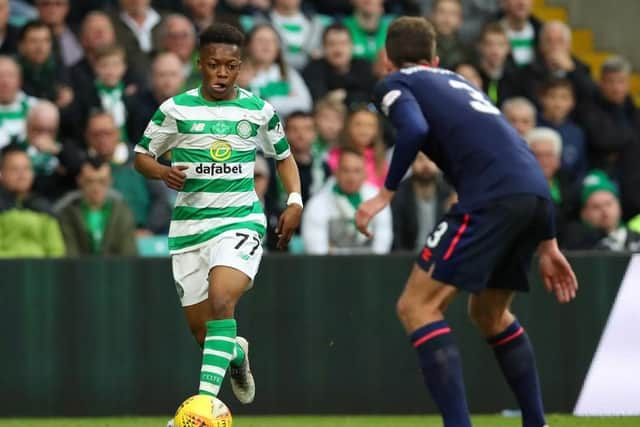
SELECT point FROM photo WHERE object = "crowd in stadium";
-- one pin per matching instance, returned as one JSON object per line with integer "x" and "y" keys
{"x": 80, "y": 80}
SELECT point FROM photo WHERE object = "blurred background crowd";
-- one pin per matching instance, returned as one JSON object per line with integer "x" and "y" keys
{"x": 80, "y": 79}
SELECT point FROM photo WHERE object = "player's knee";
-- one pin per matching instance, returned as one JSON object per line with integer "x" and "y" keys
{"x": 489, "y": 320}
{"x": 222, "y": 306}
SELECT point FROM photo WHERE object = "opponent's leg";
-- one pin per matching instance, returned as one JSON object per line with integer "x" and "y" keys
{"x": 420, "y": 309}
{"x": 226, "y": 285}
{"x": 489, "y": 310}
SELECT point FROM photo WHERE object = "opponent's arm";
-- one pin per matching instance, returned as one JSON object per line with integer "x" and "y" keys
{"x": 557, "y": 274}
{"x": 290, "y": 218}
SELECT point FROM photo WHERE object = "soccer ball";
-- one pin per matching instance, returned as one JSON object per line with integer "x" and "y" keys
{"x": 203, "y": 411}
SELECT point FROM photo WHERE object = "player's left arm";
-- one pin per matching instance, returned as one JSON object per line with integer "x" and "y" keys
{"x": 275, "y": 144}
{"x": 412, "y": 130}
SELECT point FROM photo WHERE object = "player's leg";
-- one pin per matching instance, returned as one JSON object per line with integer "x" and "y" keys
{"x": 489, "y": 311}
{"x": 421, "y": 310}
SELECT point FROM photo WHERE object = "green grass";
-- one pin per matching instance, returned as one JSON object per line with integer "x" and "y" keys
{"x": 316, "y": 421}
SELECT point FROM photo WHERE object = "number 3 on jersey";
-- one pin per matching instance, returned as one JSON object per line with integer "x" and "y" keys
{"x": 479, "y": 102}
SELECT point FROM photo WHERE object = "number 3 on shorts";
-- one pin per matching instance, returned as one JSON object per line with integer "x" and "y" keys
{"x": 243, "y": 239}
{"x": 436, "y": 234}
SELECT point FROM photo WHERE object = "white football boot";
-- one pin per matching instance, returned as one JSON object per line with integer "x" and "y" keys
{"x": 242, "y": 383}
{"x": 170, "y": 423}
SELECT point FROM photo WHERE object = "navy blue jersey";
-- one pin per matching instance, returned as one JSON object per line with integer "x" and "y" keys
{"x": 441, "y": 114}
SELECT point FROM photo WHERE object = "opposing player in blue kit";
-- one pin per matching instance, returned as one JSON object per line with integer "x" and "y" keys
{"x": 485, "y": 244}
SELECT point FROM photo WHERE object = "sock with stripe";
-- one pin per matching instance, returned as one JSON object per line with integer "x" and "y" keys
{"x": 219, "y": 348}
{"x": 515, "y": 356}
{"x": 442, "y": 371}
{"x": 238, "y": 356}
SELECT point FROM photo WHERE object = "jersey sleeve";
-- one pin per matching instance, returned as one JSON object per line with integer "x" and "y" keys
{"x": 160, "y": 134}
{"x": 272, "y": 139}
{"x": 396, "y": 101}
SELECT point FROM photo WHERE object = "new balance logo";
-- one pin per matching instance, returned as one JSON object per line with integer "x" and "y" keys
{"x": 197, "y": 127}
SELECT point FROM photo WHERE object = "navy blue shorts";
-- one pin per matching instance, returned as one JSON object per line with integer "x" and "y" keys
{"x": 490, "y": 246}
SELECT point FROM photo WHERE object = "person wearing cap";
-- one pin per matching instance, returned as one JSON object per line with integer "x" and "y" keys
{"x": 602, "y": 227}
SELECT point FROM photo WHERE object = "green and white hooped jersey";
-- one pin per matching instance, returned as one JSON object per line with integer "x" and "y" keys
{"x": 13, "y": 118}
{"x": 218, "y": 142}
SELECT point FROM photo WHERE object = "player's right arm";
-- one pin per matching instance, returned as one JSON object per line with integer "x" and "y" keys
{"x": 159, "y": 137}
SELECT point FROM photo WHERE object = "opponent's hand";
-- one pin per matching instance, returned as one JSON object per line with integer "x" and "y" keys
{"x": 288, "y": 224}
{"x": 368, "y": 210}
{"x": 557, "y": 275}
{"x": 174, "y": 177}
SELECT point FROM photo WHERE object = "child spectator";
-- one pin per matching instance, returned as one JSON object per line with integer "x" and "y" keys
{"x": 364, "y": 134}
{"x": 557, "y": 101}
{"x": 368, "y": 27}
{"x": 267, "y": 75}
{"x": 521, "y": 113}
{"x": 329, "y": 118}
{"x": 446, "y": 16}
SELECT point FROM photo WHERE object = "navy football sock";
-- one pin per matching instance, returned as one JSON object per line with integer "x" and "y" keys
{"x": 442, "y": 371}
{"x": 515, "y": 356}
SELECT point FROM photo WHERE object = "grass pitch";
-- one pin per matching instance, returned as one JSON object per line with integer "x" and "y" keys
{"x": 319, "y": 421}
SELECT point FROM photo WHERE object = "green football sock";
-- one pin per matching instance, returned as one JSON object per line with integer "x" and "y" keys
{"x": 219, "y": 346}
{"x": 238, "y": 356}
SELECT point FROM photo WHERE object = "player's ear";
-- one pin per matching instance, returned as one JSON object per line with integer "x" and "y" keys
{"x": 435, "y": 61}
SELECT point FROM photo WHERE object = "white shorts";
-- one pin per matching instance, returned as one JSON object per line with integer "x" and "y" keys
{"x": 239, "y": 249}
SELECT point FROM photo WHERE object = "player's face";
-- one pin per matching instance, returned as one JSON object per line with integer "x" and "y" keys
{"x": 9, "y": 81}
{"x": 557, "y": 103}
{"x": 363, "y": 128}
{"x": 36, "y": 46}
{"x": 102, "y": 135}
{"x": 615, "y": 86}
{"x": 547, "y": 158}
{"x": 338, "y": 48}
{"x": 111, "y": 69}
{"x": 219, "y": 65}
{"x": 522, "y": 119}
{"x": 447, "y": 17}
{"x": 17, "y": 173}
{"x": 602, "y": 211}
{"x": 301, "y": 133}
{"x": 351, "y": 173}
{"x": 494, "y": 48}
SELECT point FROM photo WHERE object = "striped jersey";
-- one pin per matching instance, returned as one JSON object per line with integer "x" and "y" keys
{"x": 217, "y": 141}
{"x": 13, "y": 118}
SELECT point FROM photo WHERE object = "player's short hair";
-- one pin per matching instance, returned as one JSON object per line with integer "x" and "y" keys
{"x": 492, "y": 28}
{"x": 518, "y": 101}
{"x": 109, "y": 51}
{"x": 222, "y": 33}
{"x": 615, "y": 64}
{"x": 298, "y": 114}
{"x": 545, "y": 134}
{"x": 336, "y": 26}
{"x": 410, "y": 39}
{"x": 556, "y": 83}
{"x": 32, "y": 26}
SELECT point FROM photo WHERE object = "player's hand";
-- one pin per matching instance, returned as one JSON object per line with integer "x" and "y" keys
{"x": 557, "y": 275}
{"x": 174, "y": 177}
{"x": 369, "y": 209}
{"x": 288, "y": 224}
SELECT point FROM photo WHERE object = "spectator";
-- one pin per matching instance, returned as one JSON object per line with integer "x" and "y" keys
{"x": 300, "y": 34}
{"x": 167, "y": 80}
{"x": 267, "y": 75}
{"x": 14, "y": 104}
{"x": 522, "y": 29}
{"x": 521, "y": 113}
{"x": 27, "y": 229}
{"x": 612, "y": 124}
{"x": 301, "y": 134}
{"x": 248, "y": 8}
{"x": 262, "y": 181}
{"x": 601, "y": 226}
{"x": 557, "y": 100}
{"x": 94, "y": 222}
{"x": 418, "y": 204}
{"x": 555, "y": 61}
{"x": 202, "y": 14}
{"x": 329, "y": 118}
{"x": 500, "y": 80}
{"x": 55, "y": 164}
{"x": 138, "y": 26}
{"x": 469, "y": 72}
{"x": 8, "y": 33}
{"x": 368, "y": 26}
{"x": 42, "y": 75}
{"x": 446, "y": 16}
{"x": 179, "y": 38}
{"x": 147, "y": 199}
{"x": 328, "y": 225}
{"x": 475, "y": 14}
{"x": 338, "y": 71}
{"x": 364, "y": 134}
{"x": 547, "y": 145}
{"x": 54, "y": 14}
